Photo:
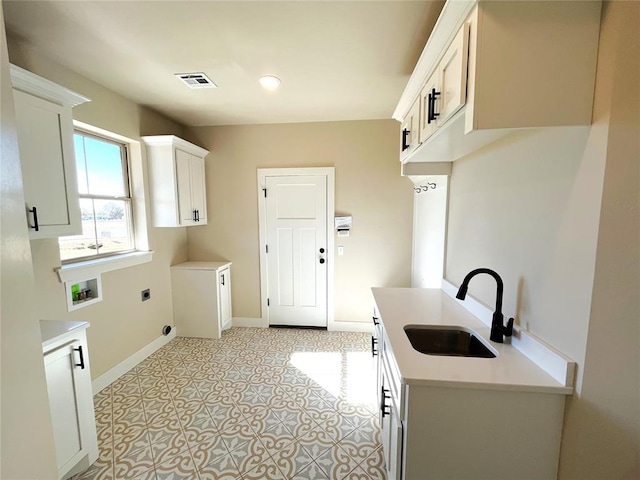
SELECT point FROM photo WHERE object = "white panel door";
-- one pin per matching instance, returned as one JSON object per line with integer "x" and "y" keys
{"x": 183, "y": 174}
{"x": 198, "y": 188}
{"x": 48, "y": 165}
{"x": 296, "y": 221}
{"x": 62, "y": 381}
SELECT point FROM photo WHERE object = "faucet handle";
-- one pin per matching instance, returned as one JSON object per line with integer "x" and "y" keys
{"x": 508, "y": 330}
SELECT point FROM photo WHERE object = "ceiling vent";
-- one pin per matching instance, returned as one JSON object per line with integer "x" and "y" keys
{"x": 196, "y": 80}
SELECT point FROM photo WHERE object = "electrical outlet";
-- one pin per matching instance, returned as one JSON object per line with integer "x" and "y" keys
{"x": 145, "y": 294}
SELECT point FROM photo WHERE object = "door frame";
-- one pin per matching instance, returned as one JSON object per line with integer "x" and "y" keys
{"x": 329, "y": 173}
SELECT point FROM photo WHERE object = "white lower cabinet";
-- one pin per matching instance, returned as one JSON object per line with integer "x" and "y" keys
{"x": 201, "y": 294}
{"x": 66, "y": 363}
{"x": 457, "y": 432}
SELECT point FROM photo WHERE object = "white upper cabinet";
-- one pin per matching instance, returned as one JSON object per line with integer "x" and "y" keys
{"x": 45, "y": 139}
{"x": 177, "y": 179}
{"x": 490, "y": 67}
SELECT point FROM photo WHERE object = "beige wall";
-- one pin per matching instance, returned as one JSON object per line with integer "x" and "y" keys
{"x": 602, "y": 434}
{"x": 368, "y": 187}
{"x": 121, "y": 324}
{"x": 27, "y": 439}
{"x": 533, "y": 208}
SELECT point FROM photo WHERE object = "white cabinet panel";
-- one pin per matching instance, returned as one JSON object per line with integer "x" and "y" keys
{"x": 60, "y": 370}
{"x": 201, "y": 294}
{"x": 225, "y": 298}
{"x": 198, "y": 188}
{"x": 45, "y": 138}
{"x": 67, "y": 371}
{"x": 453, "y": 76}
{"x": 177, "y": 179}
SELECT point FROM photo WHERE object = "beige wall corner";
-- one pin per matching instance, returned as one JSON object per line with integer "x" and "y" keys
{"x": 27, "y": 439}
{"x": 602, "y": 428}
{"x": 368, "y": 186}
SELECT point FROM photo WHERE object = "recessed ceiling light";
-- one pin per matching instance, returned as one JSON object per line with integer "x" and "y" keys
{"x": 269, "y": 82}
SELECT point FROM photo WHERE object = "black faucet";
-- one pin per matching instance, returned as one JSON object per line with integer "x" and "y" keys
{"x": 498, "y": 330}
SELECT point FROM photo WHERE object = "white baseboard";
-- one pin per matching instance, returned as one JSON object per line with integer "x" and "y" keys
{"x": 249, "y": 322}
{"x": 338, "y": 326}
{"x": 333, "y": 326}
{"x": 546, "y": 357}
{"x": 127, "y": 364}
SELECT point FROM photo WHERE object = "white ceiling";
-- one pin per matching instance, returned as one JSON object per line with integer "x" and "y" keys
{"x": 343, "y": 60}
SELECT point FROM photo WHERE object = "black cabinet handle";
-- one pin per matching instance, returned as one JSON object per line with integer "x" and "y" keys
{"x": 222, "y": 279}
{"x": 35, "y": 225}
{"x": 194, "y": 216}
{"x": 432, "y": 105}
{"x": 374, "y": 342}
{"x": 405, "y": 134}
{"x": 322, "y": 260}
{"x": 383, "y": 403}
{"x": 375, "y": 321}
{"x": 197, "y": 215}
{"x": 81, "y": 364}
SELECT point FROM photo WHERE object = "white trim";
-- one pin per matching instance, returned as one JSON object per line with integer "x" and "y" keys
{"x": 173, "y": 141}
{"x": 341, "y": 326}
{"x": 29, "y": 82}
{"x": 249, "y": 322}
{"x": 80, "y": 271}
{"x": 559, "y": 366}
{"x": 329, "y": 172}
{"x": 127, "y": 364}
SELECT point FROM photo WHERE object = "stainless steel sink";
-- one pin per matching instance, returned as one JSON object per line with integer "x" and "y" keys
{"x": 448, "y": 341}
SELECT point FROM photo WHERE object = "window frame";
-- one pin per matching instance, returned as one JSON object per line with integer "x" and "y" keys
{"x": 128, "y": 198}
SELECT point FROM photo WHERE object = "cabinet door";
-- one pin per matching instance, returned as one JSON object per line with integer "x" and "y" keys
{"x": 45, "y": 137}
{"x": 198, "y": 189}
{"x": 410, "y": 133}
{"x": 428, "y": 125}
{"x": 391, "y": 432}
{"x": 183, "y": 180}
{"x": 225, "y": 299}
{"x": 62, "y": 370}
{"x": 453, "y": 68}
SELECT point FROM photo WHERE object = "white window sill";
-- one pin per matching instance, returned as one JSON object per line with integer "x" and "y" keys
{"x": 79, "y": 271}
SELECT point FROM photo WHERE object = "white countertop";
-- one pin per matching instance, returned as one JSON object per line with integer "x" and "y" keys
{"x": 51, "y": 330}
{"x": 202, "y": 265}
{"x": 510, "y": 370}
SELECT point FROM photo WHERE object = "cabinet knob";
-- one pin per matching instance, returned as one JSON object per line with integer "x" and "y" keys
{"x": 322, "y": 260}
{"x": 321, "y": 250}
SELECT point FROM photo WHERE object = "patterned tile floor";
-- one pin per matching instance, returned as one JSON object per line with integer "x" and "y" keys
{"x": 256, "y": 404}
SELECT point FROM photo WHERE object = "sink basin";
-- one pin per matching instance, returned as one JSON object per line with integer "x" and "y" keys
{"x": 448, "y": 341}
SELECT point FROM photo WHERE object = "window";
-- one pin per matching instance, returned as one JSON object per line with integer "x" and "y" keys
{"x": 105, "y": 200}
